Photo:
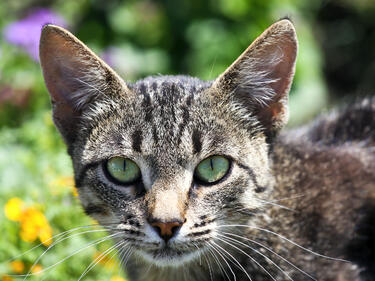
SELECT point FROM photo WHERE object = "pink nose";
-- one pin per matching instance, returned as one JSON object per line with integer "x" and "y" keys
{"x": 166, "y": 230}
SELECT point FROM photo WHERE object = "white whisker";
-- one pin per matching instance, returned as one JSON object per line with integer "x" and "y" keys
{"x": 99, "y": 258}
{"x": 224, "y": 259}
{"x": 50, "y": 239}
{"x": 286, "y": 239}
{"x": 210, "y": 249}
{"x": 275, "y": 204}
{"x": 273, "y": 252}
{"x": 59, "y": 241}
{"x": 95, "y": 242}
{"x": 254, "y": 260}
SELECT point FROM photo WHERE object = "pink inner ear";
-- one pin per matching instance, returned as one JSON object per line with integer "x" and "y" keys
{"x": 64, "y": 59}
{"x": 57, "y": 54}
{"x": 284, "y": 70}
{"x": 261, "y": 77}
{"x": 275, "y": 114}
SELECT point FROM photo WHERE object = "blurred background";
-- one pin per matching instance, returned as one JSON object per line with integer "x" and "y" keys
{"x": 336, "y": 64}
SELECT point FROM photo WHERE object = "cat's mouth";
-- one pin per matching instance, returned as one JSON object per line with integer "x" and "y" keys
{"x": 168, "y": 256}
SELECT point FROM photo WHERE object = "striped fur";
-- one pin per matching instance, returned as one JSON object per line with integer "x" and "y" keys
{"x": 315, "y": 186}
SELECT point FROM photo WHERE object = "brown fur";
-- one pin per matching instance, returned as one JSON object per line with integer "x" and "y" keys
{"x": 297, "y": 206}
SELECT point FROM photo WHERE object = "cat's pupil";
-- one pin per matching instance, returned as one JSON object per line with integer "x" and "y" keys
{"x": 211, "y": 164}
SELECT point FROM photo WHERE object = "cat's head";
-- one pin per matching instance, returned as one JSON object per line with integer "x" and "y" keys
{"x": 168, "y": 161}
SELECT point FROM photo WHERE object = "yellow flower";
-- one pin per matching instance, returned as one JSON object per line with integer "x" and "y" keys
{"x": 13, "y": 209}
{"x": 104, "y": 260}
{"x": 36, "y": 269}
{"x": 35, "y": 225}
{"x": 6, "y": 278}
{"x": 45, "y": 236}
{"x": 61, "y": 184}
{"x": 74, "y": 191}
{"x": 117, "y": 278}
{"x": 28, "y": 232}
{"x": 17, "y": 266}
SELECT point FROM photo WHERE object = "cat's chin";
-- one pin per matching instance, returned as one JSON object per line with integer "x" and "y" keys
{"x": 168, "y": 257}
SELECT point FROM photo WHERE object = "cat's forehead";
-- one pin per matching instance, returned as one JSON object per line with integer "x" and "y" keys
{"x": 171, "y": 119}
{"x": 173, "y": 88}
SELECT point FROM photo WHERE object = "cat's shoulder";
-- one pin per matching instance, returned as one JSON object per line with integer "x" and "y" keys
{"x": 351, "y": 124}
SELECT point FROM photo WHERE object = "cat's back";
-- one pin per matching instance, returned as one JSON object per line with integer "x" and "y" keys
{"x": 328, "y": 167}
{"x": 339, "y": 145}
{"x": 352, "y": 124}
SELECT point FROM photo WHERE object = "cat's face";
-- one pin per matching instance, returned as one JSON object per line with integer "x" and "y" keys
{"x": 167, "y": 130}
{"x": 169, "y": 161}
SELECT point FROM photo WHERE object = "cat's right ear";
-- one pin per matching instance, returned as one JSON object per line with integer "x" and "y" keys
{"x": 258, "y": 82}
{"x": 75, "y": 77}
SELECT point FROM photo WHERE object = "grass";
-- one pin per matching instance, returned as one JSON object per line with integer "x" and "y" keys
{"x": 36, "y": 169}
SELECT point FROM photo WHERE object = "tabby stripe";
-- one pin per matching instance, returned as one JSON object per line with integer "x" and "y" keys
{"x": 197, "y": 142}
{"x": 95, "y": 209}
{"x": 181, "y": 126}
{"x": 200, "y": 233}
{"x": 147, "y": 104}
{"x": 137, "y": 139}
{"x": 79, "y": 177}
{"x": 258, "y": 188}
{"x": 155, "y": 135}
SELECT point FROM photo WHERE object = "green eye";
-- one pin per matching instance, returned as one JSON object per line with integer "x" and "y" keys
{"x": 123, "y": 170}
{"x": 212, "y": 169}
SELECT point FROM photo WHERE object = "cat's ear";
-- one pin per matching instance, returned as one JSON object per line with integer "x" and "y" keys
{"x": 260, "y": 78}
{"x": 75, "y": 77}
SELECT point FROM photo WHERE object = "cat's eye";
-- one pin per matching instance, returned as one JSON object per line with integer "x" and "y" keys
{"x": 123, "y": 170}
{"x": 212, "y": 169}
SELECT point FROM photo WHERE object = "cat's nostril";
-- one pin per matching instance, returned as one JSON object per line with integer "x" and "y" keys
{"x": 166, "y": 230}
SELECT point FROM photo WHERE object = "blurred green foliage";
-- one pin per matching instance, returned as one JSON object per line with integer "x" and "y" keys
{"x": 137, "y": 38}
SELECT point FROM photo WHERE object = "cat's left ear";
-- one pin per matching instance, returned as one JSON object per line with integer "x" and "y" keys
{"x": 260, "y": 79}
{"x": 76, "y": 78}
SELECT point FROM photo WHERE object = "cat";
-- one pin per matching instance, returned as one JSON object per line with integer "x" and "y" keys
{"x": 195, "y": 179}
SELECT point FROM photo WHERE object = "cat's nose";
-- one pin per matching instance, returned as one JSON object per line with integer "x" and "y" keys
{"x": 166, "y": 230}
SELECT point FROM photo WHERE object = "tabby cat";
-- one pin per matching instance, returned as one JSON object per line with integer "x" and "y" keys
{"x": 193, "y": 179}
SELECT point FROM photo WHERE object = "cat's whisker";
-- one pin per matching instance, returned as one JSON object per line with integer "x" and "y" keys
{"x": 286, "y": 239}
{"x": 204, "y": 255}
{"x": 100, "y": 258}
{"x": 230, "y": 255}
{"x": 246, "y": 211}
{"x": 273, "y": 252}
{"x": 95, "y": 262}
{"x": 275, "y": 204}
{"x": 200, "y": 256}
{"x": 127, "y": 254}
{"x": 50, "y": 239}
{"x": 148, "y": 269}
{"x": 61, "y": 239}
{"x": 120, "y": 255}
{"x": 225, "y": 240}
{"x": 209, "y": 266}
{"x": 95, "y": 242}
{"x": 261, "y": 254}
{"x": 290, "y": 198}
{"x": 213, "y": 254}
{"x": 224, "y": 259}
{"x": 116, "y": 260}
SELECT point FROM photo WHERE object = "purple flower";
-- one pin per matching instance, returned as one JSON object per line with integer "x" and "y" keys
{"x": 26, "y": 32}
